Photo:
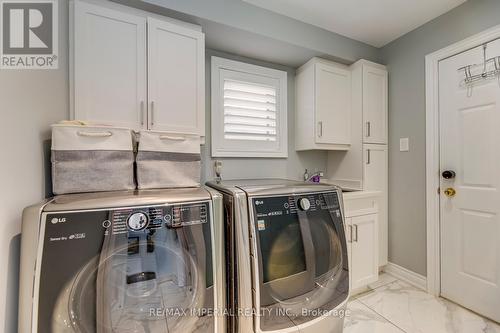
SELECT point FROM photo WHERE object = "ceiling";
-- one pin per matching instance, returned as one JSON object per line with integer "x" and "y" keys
{"x": 374, "y": 22}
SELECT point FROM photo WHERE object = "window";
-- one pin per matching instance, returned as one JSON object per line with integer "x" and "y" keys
{"x": 249, "y": 110}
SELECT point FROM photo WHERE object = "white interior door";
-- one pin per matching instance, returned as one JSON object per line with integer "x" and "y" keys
{"x": 333, "y": 105}
{"x": 470, "y": 222}
{"x": 176, "y": 78}
{"x": 109, "y": 68}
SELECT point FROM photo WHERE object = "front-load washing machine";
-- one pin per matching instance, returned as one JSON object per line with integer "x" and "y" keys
{"x": 127, "y": 262}
{"x": 287, "y": 267}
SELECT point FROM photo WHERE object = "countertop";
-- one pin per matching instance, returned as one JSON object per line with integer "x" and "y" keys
{"x": 360, "y": 194}
{"x": 355, "y": 194}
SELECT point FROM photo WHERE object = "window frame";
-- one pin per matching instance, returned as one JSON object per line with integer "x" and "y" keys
{"x": 222, "y": 68}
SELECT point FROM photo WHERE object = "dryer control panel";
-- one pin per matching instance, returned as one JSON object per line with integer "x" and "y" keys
{"x": 292, "y": 204}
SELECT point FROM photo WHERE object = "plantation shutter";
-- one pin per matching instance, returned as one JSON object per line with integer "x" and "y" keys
{"x": 250, "y": 111}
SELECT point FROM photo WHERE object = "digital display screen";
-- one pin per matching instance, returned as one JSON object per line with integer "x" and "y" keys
{"x": 186, "y": 215}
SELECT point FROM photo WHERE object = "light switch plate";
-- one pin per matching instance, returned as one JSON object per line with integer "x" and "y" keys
{"x": 404, "y": 144}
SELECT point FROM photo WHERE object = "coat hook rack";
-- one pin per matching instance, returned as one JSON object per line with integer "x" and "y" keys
{"x": 491, "y": 69}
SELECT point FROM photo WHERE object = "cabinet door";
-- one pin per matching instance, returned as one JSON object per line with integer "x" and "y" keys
{"x": 374, "y": 105}
{"x": 376, "y": 179}
{"x": 109, "y": 66}
{"x": 332, "y": 105}
{"x": 176, "y": 78}
{"x": 364, "y": 263}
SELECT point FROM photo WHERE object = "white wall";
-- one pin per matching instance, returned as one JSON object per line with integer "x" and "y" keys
{"x": 30, "y": 100}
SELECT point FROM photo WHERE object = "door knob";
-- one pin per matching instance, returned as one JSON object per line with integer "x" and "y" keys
{"x": 448, "y": 174}
{"x": 450, "y": 192}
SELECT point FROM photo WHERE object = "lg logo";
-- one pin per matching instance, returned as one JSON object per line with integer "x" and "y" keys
{"x": 56, "y": 220}
{"x": 29, "y": 34}
{"x": 257, "y": 202}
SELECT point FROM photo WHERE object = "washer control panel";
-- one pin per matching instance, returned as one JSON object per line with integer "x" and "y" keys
{"x": 171, "y": 216}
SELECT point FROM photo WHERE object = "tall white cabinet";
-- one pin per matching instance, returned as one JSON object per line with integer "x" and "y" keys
{"x": 134, "y": 69}
{"x": 365, "y": 165}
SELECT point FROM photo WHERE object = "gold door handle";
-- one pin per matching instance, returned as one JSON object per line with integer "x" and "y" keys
{"x": 450, "y": 192}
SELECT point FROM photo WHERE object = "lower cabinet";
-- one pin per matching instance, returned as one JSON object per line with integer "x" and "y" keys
{"x": 363, "y": 245}
{"x": 362, "y": 233}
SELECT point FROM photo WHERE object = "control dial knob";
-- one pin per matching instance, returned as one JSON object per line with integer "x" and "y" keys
{"x": 137, "y": 221}
{"x": 304, "y": 204}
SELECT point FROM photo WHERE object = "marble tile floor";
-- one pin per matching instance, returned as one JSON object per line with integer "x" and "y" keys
{"x": 394, "y": 306}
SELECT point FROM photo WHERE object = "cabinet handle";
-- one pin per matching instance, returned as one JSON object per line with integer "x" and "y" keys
{"x": 152, "y": 113}
{"x": 369, "y": 156}
{"x": 356, "y": 232}
{"x": 142, "y": 113}
{"x": 320, "y": 129}
{"x": 350, "y": 233}
{"x": 368, "y": 129}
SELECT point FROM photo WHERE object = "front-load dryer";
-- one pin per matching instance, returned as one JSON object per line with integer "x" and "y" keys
{"x": 287, "y": 265}
{"x": 127, "y": 262}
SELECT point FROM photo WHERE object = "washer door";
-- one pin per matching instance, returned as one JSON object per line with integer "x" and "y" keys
{"x": 150, "y": 281}
{"x": 149, "y": 277}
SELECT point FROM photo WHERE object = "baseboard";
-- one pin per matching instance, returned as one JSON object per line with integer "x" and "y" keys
{"x": 406, "y": 275}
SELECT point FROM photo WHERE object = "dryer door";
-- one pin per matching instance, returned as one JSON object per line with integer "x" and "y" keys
{"x": 146, "y": 269}
{"x": 302, "y": 268}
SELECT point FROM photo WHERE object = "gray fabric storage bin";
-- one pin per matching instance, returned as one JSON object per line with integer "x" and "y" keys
{"x": 168, "y": 160}
{"x": 91, "y": 159}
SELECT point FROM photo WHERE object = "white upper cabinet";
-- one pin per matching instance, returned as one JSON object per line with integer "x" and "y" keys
{"x": 109, "y": 66}
{"x": 176, "y": 78}
{"x": 323, "y": 115}
{"x": 333, "y": 104}
{"x": 374, "y": 103}
{"x": 137, "y": 70}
